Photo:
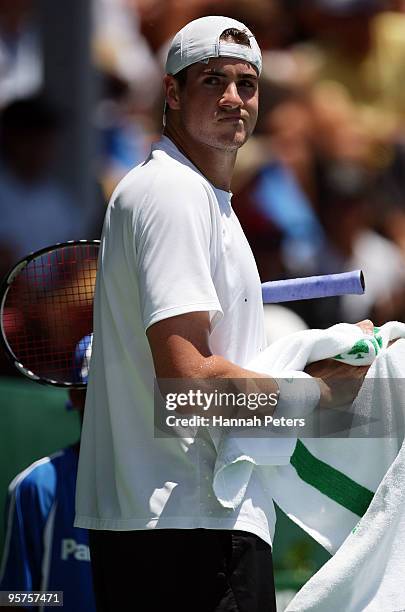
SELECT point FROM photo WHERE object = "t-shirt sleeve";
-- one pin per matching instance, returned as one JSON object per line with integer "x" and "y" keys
{"x": 175, "y": 239}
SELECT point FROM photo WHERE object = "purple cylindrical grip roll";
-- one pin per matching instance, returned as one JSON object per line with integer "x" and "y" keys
{"x": 327, "y": 285}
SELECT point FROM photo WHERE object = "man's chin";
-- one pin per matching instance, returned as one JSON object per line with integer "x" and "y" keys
{"x": 237, "y": 144}
{"x": 232, "y": 143}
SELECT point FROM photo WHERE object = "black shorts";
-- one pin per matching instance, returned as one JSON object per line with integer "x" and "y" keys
{"x": 184, "y": 570}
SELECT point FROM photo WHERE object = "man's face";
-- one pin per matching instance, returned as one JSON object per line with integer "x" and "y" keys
{"x": 219, "y": 102}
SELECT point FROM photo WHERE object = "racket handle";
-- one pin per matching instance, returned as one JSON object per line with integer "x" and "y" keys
{"x": 309, "y": 287}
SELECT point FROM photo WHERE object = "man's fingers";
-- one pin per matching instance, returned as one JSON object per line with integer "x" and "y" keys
{"x": 366, "y": 326}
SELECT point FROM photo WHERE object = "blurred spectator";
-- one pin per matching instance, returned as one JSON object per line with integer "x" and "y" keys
{"x": 275, "y": 205}
{"x": 159, "y": 21}
{"x": 273, "y": 26}
{"x": 20, "y": 55}
{"x": 35, "y": 210}
{"x": 398, "y": 5}
{"x": 279, "y": 222}
{"x": 310, "y": 205}
{"x": 288, "y": 124}
{"x": 261, "y": 231}
{"x": 361, "y": 45}
{"x": 348, "y": 217}
{"x": 390, "y": 193}
{"x": 339, "y": 132}
{"x": 120, "y": 49}
{"x": 130, "y": 89}
{"x": 124, "y": 134}
{"x": 360, "y": 190}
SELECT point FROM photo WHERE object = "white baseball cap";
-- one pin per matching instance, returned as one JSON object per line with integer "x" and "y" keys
{"x": 199, "y": 40}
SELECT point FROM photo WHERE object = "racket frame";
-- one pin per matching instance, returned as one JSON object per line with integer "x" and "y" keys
{"x": 5, "y": 286}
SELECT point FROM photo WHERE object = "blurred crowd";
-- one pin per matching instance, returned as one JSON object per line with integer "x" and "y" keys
{"x": 319, "y": 188}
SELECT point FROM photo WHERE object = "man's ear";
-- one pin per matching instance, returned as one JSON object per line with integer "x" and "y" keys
{"x": 172, "y": 92}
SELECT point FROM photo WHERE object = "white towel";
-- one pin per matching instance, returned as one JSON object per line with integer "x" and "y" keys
{"x": 238, "y": 456}
{"x": 367, "y": 572}
{"x": 335, "y": 479}
{"x": 344, "y": 341}
{"x": 328, "y": 486}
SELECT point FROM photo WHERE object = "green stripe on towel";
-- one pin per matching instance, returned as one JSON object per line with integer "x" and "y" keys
{"x": 330, "y": 481}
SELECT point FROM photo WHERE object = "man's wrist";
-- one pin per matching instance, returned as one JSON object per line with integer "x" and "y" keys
{"x": 299, "y": 394}
{"x": 325, "y": 398}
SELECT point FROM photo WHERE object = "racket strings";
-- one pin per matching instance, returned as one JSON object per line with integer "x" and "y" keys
{"x": 48, "y": 310}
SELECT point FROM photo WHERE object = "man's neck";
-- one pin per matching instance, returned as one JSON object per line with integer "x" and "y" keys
{"x": 215, "y": 164}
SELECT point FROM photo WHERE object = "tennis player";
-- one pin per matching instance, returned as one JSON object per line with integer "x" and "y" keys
{"x": 177, "y": 296}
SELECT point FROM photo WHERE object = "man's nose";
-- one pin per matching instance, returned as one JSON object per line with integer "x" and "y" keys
{"x": 230, "y": 97}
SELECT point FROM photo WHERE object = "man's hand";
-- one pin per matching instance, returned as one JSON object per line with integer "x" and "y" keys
{"x": 366, "y": 326}
{"x": 339, "y": 382}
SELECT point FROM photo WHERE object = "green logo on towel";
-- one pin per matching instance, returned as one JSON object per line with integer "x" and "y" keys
{"x": 361, "y": 348}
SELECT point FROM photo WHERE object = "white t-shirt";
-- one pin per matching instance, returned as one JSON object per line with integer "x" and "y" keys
{"x": 171, "y": 244}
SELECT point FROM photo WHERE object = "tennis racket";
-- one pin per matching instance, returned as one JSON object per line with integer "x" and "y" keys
{"x": 47, "y": 310}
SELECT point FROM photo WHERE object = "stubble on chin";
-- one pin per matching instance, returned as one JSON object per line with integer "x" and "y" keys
{"x": 226, "y": 143}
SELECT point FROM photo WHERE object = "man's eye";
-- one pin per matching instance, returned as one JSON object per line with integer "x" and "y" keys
{"x": 247, "y": 83}
{"x": 211, "y": 80}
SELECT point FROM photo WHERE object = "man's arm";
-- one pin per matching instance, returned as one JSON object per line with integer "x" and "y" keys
{"x": 180, "y": 349}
